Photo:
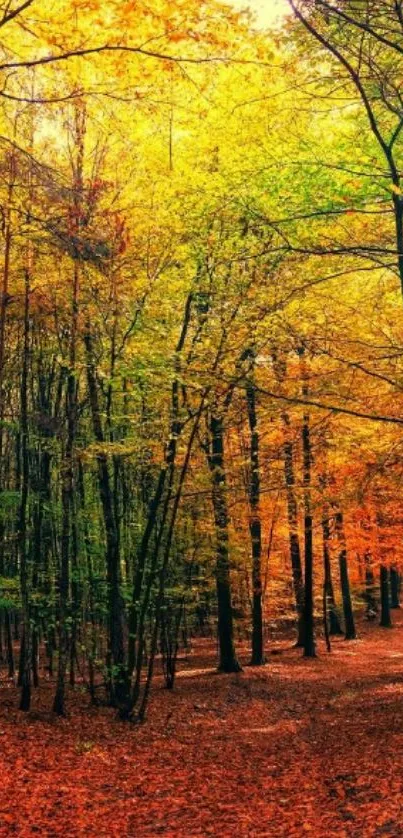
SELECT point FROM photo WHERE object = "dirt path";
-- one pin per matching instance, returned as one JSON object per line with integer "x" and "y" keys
{"x": 296, "y": 748}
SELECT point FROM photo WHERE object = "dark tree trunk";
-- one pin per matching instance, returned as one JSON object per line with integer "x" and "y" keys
{"x": 71, "y": 415}
{"x": 280, "y": 369}
{"x": 228, "y": 661}
{"x": 295, "y": 551}
{"x": 75, "y": 593}
{"x": 127, "y": 712}
{"x": 26, "y": 658}
{"x": 35, "y": 656}
{"x": 64, "y": 575}
{"x": 4, "y": 300}
{"x": 370, "y": 588}
{"x": 9, "y": 644}
{"x": 119, "y": 680}
{"x": 165, "y": 479}
{"x": 394, "y": 588}
{"x": 309, "y": 640}
{"x": 67, "y": 502}
{"x": 385, "y": 620}
{"x": 350, "y": 633}
{"x": 255, "y": 526}
{"x": 92, "y": 651}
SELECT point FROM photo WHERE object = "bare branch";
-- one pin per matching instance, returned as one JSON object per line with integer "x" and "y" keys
{"x": 13, "y": 14}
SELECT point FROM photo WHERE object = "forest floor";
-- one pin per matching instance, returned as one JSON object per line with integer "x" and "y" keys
{"x": 297, "y": 748}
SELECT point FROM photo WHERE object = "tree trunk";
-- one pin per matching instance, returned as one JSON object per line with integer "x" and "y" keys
{"x": 394, "y": 588}
{"x": 350, "y": 633}
{"x": 255, "y": 526}
{"x": 71, "y": 415}
{"x": 385, "y": 620}
{"x": 280, "y": 369}
{"x": 127, "y": 711}
{"x": 92, "y": 650}
{"x": 227, "y": 661}
{"x": 370, "y": 596}
{"x": 26, "y": 657}
{"x": 9, "y": 645}
{"x": 67, "y": 472}
{"x": 334, "y": 622}
{"x": 4, "y": 300}
{"x": 309, "y": 640}
{"x": 119, "y": 680}
{"x": 165, "y": 478}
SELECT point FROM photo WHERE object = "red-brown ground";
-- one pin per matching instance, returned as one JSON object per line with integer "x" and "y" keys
{"x": 297, "y": 748}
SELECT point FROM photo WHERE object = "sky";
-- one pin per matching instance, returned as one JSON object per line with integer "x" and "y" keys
{"x": 267, "y": 11}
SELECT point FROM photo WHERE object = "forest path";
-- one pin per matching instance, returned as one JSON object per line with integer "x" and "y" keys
{"x": 299, "y": 747}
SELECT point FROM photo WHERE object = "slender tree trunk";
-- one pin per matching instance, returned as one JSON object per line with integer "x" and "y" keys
{"x": 35, "y": 655}
{"x": 325, "y": 621}
{"x": 75, "y": 592}
{"x": 25, "y": 670}
{"x": 67, "y": 499}
{"x": 371, "y": 600}
{"x": 119, "y": 678}
{"x": 385, "y": 620}
{"x": 350, "y": 632}
{"x": 127, "y": 712}
{"x": 309, "y": 644}
{"x": 9, "y": 644}
{"x": 26, "y": 657}
{"x": 4, "y": 299}
{"x": 228, "y": 661}
{"x": 255, "y": 525}
{"x": 280, "y": 369}
{"x": 71, "y": 413}
{"x": 334, "y": 622}
{"x": 92, "y": 652}
{"x": 165, "y": 479}
{"x": 394, "y": 588}
{"x": 293, "y": 535}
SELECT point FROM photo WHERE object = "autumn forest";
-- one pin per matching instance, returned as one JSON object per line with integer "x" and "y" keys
{"x": 201, "y": 418}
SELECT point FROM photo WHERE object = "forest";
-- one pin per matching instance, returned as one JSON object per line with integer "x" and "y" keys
{"x": 201, "y": 411}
